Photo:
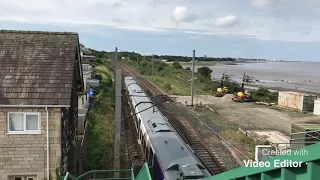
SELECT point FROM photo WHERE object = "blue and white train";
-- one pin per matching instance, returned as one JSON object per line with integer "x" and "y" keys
{"x": 169, "y": 157}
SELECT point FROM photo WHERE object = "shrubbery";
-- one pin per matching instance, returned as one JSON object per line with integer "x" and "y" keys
{"x": 205, "y": 72}
{"x": 176, "y": 65}
{"x": 101, "y": 124}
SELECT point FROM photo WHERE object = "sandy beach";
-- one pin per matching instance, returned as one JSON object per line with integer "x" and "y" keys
{"x": 298, "y": 76}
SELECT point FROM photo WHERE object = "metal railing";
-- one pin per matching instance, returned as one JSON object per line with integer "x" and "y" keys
{"x": 308, "y": 170}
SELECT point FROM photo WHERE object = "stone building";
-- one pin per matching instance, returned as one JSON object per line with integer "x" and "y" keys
{"x": 40, "y": 79}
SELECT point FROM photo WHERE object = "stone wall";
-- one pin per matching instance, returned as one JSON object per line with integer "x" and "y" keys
{"x": 25, "y": 154}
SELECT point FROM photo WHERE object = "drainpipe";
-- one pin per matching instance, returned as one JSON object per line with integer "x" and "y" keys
{"x": 48, "y": 172}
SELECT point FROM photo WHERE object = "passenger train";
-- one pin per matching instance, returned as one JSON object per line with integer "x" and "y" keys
{"x": 169, "y": 157}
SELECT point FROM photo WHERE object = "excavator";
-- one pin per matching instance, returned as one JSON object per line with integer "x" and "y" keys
{"x": 243, "y": 95}
{"x": 223, "y": 90}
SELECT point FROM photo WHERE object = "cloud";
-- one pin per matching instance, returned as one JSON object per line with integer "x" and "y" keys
{"x": 226, "y": 21}
{"x": 195, "y": 37}
{"x": 181, "y": 14}
{"x": 119, "y": 20}
{"x": 116, "y": 5}
{"x": 263, "y": 3}
{"x": 290, "y": 20}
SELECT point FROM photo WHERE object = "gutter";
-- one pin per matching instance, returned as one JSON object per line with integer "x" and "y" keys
{"x": 35, "y": 106}
{"x": 48, "y": 169}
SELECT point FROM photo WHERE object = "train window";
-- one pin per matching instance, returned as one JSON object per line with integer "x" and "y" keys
{"x": 143, "y": 143}
{"x": 138, "y": 124}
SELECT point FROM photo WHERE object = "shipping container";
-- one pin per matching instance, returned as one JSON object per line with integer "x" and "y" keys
{"x": 296, "y": 100}
{"x": 304, "y": 134}
{"x": 316, "y": 109}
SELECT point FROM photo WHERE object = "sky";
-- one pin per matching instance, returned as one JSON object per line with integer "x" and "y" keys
{"x": 271, "y": 29}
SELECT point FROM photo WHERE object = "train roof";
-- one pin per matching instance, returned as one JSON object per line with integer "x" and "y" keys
{"x": 175, "y": 155}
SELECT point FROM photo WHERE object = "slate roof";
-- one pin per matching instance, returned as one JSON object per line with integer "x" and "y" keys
{"x": 36, "y": 68}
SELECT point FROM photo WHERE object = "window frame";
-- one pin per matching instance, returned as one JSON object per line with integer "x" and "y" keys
{"x": 23, "y": 177}
{"x": 24, "y": 123}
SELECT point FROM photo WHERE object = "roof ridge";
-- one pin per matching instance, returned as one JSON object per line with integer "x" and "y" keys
{"x": 38, "y": 32}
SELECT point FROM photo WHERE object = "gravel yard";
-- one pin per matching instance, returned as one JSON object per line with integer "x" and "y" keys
{"x": 224, "y": 117}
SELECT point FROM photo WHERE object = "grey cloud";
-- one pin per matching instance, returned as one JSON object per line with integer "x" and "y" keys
{"x": 116, "y": 5}
{"x": 119, "y": 20}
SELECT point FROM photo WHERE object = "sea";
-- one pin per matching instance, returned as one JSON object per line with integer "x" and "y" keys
{"x": 298, "y": 76}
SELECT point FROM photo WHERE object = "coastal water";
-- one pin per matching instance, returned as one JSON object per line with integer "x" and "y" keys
{"x": 300, "y": 76}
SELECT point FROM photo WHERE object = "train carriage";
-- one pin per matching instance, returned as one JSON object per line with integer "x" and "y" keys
{"x": 165, "y": 151}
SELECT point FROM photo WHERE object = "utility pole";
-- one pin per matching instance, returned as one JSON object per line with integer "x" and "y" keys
{"x": 152, "y": 67}
{"x": 137, "y": 63}
{"x": 117, "y": 116}
{"x": 115, "y": 61}
{"x": 192, "y": 80}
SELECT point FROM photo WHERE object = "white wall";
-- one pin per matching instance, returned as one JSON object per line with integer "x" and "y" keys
{"x": 316, "y": 110}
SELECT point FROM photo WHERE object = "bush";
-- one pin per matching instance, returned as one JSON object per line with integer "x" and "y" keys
{"x": 262, "y": 91}
{"x": 205, "y": 72}
{"x": 263, "y": 94}
{"x": 144, "y": 63}
{"x": 99, "y": 61}
{"x": 160, "y": 66}
{"x": 167, "y": 86}
{"x": 176, "y": 65}
{"x": 234, "y": 87}
{"x": 188, "y": 68}
{"x": 100, "y": 127}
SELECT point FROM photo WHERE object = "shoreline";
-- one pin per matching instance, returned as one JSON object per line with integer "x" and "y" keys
{"x": 272, "y": 76}
{"x": 212, "y": 63}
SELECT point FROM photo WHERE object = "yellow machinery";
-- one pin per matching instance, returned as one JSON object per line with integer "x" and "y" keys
{"x": 221, "y": 91}
{"x": 243, "y": 96}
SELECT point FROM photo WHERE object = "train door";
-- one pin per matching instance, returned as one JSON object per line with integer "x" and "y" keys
{"x": 151, "y": 161}
{"x": 139, "y": 130}
{"x": 143, "y": 146}
{"x": 147, "y": 152}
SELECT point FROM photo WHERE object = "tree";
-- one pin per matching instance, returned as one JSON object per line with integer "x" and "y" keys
{"x": 160, "y": 66}
{"x": 205, "y": 71}
{"x": 176, "y": 65}
{"x": 144, "y": 63}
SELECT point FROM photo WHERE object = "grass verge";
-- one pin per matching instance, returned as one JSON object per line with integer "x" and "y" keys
{"x": 101, "y": 124}
{"x": 174, "y": 81}
{"x": 243, "y": 143}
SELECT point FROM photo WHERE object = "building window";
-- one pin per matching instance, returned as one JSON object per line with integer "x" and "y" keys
{"x": 22, "y": 177}
{"x": 24, "y": 123}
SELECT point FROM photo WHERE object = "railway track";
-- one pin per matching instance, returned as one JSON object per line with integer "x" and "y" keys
{"x": 182, "y": 124}
{"x": 132, "y": 148}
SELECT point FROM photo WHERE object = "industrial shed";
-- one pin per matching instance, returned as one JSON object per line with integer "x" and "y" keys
{"x": 296, "y": 100}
